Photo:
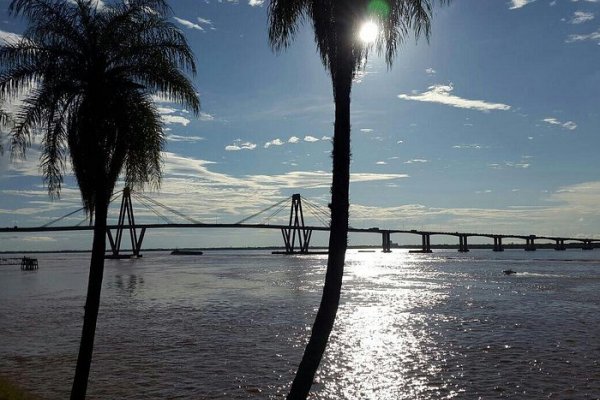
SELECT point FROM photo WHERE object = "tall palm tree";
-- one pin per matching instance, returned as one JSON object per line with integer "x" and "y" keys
{"x": 87, "y": 70}
{"x": 336, "y": 26}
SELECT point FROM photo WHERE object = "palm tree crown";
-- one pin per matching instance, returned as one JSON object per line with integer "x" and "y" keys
{"x": 86, "y": 72}
{"x": 336, "y": 24}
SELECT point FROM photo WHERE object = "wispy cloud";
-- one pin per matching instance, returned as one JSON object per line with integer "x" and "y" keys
{"x": 441, "y": 94}
{"x": 206, "y": 117}
{"x": 474, "y": 146}
{"x": 579, "y": 17}
{"x": 9, "y": 37}
{"x": 256, "y": 3}
{"x": 310, "y": 139}
{"x": 515, "y": 4}
{"x": 570, "y": 125}
{"x": 509, "y": 164}
{"x": 430, "y": 71}
{"x": 584, "y": 37}
{"x": 187, "y": 139}
{"x": 188, "y": 24}
{"x": 416, "y": 161}
{"x": 238, "y": 145}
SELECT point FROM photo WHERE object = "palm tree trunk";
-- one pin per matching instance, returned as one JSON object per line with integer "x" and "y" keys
{"x": 338, "y": 236}
{"x": 92, "y": 302}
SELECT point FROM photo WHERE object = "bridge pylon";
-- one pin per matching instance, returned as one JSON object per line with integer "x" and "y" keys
{"x": 126, "y": 222}
{"x": 296, "y": 230}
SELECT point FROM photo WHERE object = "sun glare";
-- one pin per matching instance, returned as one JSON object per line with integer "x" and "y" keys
{"x": 368, "y": 32}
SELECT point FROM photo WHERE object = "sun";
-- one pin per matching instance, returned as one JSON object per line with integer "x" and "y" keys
{"x": 368, "y": 32}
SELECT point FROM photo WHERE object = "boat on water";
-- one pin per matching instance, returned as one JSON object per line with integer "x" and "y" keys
{"x": 509, "y": 272}
{"x": 183, "y": 252}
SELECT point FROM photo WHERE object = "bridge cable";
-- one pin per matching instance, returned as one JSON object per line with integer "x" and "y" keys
{"x": 274, "y": 213}
{"x": 164, "y": 206}
{"x": 156, "y": 212}
{"x": 75, "y": 212}
{"x": 316, "y": 214}
{"x": 319, "y": 212}
{"x": 262, "y": 211}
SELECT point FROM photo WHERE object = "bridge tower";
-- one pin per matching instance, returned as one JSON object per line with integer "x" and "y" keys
{"x": 296, "y": 229}
{"x": 126, "y": 211}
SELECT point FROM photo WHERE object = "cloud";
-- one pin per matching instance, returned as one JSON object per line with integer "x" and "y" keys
{"x": 366, "y": 130}
{"x": 294, "y": 140}
{"x": 206, "y": 117}
{"x": 38, "y": 239}
{"x": 584, "y": 37}
{"x": 514, "y": 4}
{"x": 188, "y": 24}
{"x": 570, "y": 125}
{"x": 188, "y": 139}
{"x": 274, "y": 142}
{"x": 441, "y": 94}
{"x": 239, "y": 145}
{"x": 416, "y": 160}
{"x": 204, "y": 21}
{"x": 430, "y": 71}
{"x": 468, "y": 146}
{"x": 310, "y": 139}
{"x": 9, "y": 37}
{"x": 380, "y": 163}
{"x": 509, "y": 164}
{"x": 579, "y": 17}
{"x": 174, "y": 119}
{"x": 256, "y": 3}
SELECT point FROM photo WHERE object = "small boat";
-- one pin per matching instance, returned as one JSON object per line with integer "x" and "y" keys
{"x": 178, "y": 252}
{"x": 509, "y": 272}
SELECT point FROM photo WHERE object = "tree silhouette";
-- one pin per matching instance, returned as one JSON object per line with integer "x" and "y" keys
{"x": 336, "y": 25}
{"x": 86, "y": 71}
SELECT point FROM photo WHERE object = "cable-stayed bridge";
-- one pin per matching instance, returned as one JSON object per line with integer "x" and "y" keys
{"x": 295, "y": 232}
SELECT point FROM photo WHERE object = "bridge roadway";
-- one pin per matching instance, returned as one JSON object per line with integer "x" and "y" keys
{"x": 587, "y": 243}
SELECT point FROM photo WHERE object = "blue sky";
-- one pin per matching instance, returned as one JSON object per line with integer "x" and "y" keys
{"x": 492, "y": 126}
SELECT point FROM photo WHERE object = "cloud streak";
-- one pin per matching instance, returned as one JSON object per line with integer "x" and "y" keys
{"x": 570, "y": 125}
{"x": 442, "y": 94}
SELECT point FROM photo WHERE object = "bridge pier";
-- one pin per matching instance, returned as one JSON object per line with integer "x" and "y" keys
{"x": 296, "y": 229}
{"x": 136, "y": 242}
{"x": 462, "y": 244}
{"x": 587, "y": 245}
{"x": 560, "y": 245}
{"x": 498, "y": 243}
{"x": 529, "y": 243}
{"x": 386, "y": 242}
{"x": 425, "y": 244}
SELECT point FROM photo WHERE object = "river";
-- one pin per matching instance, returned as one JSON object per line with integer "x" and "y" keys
{"x": 232, "y": 325}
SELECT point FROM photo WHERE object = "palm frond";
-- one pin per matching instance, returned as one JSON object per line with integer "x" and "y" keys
{"x": 88, "y": 74}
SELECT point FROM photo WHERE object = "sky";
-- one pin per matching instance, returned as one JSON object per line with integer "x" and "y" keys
{"x": 492, "y": 126}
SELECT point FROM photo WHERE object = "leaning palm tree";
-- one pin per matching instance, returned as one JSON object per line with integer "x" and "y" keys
{"x": 85, "y": 72}
{"x": 336, "y": 26}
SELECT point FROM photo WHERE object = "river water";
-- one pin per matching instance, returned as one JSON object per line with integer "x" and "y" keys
{"x": 232, "y": 325}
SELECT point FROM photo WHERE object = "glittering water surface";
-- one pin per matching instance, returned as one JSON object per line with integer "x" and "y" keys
{"x": 233, "y": 326}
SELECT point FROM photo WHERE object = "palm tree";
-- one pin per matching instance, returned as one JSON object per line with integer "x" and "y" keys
{"x": 336, "y": 26}
{"x": 87, "y": 70}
